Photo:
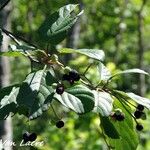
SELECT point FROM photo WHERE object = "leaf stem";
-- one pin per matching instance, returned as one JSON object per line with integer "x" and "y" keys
{"x": 15, "y": 37}
{"x": 54, "y": 111}
{"x": 87, "y": 69}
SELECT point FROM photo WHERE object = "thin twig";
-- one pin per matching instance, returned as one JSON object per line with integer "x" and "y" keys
{"x": 12, "y": 36}
{"x": 87, "y": 69}
{"x": 122, "y": 103}
{"x": 54, "y": 111}
{"x": 4, "y": 5}
{"x": 17, "y": 37}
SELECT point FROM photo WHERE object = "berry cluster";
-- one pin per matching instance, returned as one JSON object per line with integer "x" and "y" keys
{"x": 59, "y": 124}
{"x": 139, "y": 114}
{"x": 72, "y": 76}
{"x": 118, "y": 115}
{"x": 29, "y": 137}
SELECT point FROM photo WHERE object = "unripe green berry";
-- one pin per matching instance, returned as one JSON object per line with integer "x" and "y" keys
{"x": 67, "y": 70}
{"x": 118, "y": 111}
{"x": 54, "y": 85}
{"x": 54, "y": 58}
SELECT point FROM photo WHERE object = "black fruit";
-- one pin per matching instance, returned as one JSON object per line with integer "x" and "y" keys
{"x": 139, "y": 127}
{"x": 59, "y": 124}
{"x": 120, "y": 117}
{"x": 74, "y": 75}
{"x": 32, "y": 137}
{"x": 66, "y": 77}
{"x": 26, "y": 137}
{"x": 140, "y": 107}
{"x": 60, "y": 89}
{"x": 71, "y": 81}
{"x": 138, "y": 114}
{"x": 29, "y": 137}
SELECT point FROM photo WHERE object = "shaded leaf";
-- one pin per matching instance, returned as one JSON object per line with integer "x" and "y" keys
{"x": 35, "y": 94}
{"x": 78, "y": 98}
{"x": 92, "y": 53}
{"x": 8, "y": 103}
{"x": 128, "y": 136}
{"x": 55, "y": 27}
{"x": 103, "y": 103}
{"x": 108, "y": 128}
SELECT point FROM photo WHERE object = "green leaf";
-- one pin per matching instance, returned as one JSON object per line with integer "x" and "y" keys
{"x": 35, "y": 94}
{"x": 92, "y": 53}
{"x": 8, "y": 103}
{"x": 55, "y": 27}
{"x": 104, "y": 73}
{"x": 1, "y": 37}
{"x": 11, "y": 54}
{"x": 140, "y": 100}
{"x": 128, "y": 136}
{"x": 131, "y": 96}
{"x": 78, "y": 98}
{"x": 108, "y": 128}
{"x": 135, "y": 70}
{"x": 103, "y": 103}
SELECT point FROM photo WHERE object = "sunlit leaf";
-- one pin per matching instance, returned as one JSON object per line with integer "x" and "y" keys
{"x": 92, "y": 53}
{"x": 35, "y": 94}
{"x": 11, "y": 54}
{"x": 104, "y": 73}
{"x": 103, "y": 103}
{"x": 55, "y": 27}
{"x": 78, "y": 98}
{"x": 135, "y": 70}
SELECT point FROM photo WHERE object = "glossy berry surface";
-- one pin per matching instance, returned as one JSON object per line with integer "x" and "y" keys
{"x": 32, "y": 137}
{"x": 138, "y": 114}
{"x": 60, "y": 89}
{"x": 26, "y": 137}
{"x": 59, "y": 124}
{"x": 140, "y": 107}
{"x": 120, "y": 117}
{"x": 66, "y": 77}
{"x": 139, "y": 127}
{"x": 74, "y": 75}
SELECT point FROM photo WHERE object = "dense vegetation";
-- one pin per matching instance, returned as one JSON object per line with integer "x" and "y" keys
{"x": 89, "y": 89}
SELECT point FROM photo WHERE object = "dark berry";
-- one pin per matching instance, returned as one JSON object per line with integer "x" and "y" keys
{"x": 32, "y": 137}
{"x": 71, "y": 81}
{"x": 74, "y": 75}
{"x": 26, "y": 137}
{"x": 120, "y": 117}
{"x": 60, "y": 89}
{"x": 138, "y": 114}
{"x": 66, "y": 77}
{"x": 139, "y": 127}
{"x": 59, "y": 124}
{"x": 140, "y": 107}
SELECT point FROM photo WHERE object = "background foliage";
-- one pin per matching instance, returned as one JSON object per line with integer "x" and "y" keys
{"x": 108, "y": 25}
